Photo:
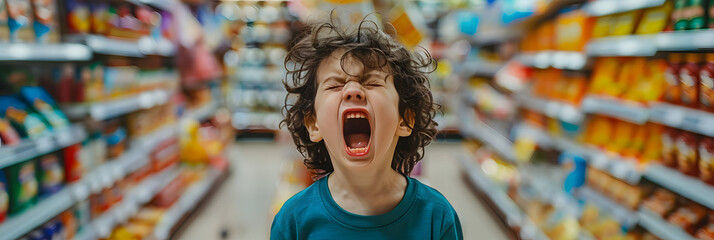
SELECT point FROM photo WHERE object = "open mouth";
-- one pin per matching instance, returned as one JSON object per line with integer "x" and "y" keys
{"x": 357, "y": 132}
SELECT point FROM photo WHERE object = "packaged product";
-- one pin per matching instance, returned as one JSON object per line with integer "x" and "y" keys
{"x": 711, "y": 14}
{"x": 706, "y": 82}
{"x": 50, "y": 174}
{"x": 27, "y": 123}
{"x": 625, "y": 23}
{"x": 171, "y": 193}
{"x": 52, "y": 230}
{"x": 99, "y": 202}
{"x": 22, "y": 186}
{"x": 43, "y": 104}
{"x": 8, "y": 135}
{"x": 599, "y": 131}
{"x": 46, "y": 21}
{"x": 695, "y": 13}
{"x": 117, "y": 191}
{"x": 631, "y": 197}
{"x": 73, "y": 169}
{"x": 624, "y": 133}
{"x": 165, "y": 154}
{"x": 673, "y": 93}
{"x": 602, "y": 26}
{"x": 636, "y": 145}
{"x": 124, "y": 23}
{"x": 679, "y": 15}
{"x": 4, "y": 29}
{"x": 19, "y": 20}
{"x": 706, "y": 160}
{"x": 604, "y": 71}
{"x": 707, "y": 231}
{"x": 70, "y": 224}
{"x": 4, "y": 197}
{"x": 655, "y": 19}
{"x": 148, "y": 215}
{"x": 78, "y": 16}
{"x": 669, "y": 147}
{"x": 82, "y": 212}
{"x": 653, "y": 143}
{"x": 688, "y": 158}
{"x": 689, "y": 79}
{"x": 99, "y": 16}
{"x": 116, "y": 138}
{"x": 661, "y": 202}
{"x": 573, "y": 30}
{"x": 688, "y": 216}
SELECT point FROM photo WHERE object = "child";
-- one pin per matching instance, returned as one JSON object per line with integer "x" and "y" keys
{"x": 362, "y": 115}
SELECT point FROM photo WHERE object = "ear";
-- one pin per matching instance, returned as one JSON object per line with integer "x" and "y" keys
{"x": 312, "y": 128}
{"x": 404, "y": 128}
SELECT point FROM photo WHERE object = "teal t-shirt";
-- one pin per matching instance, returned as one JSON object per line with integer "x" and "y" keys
{"x": 312, "y": 214}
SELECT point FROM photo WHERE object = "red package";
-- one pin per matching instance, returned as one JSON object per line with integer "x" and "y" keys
{"x": 688, "y": 153}
{"x": 669, "y": 147}
{"x": 707, "y": 231}
{"x": 170, "y": 194}
{"x": 165, "y": 154}
{"x": 73, "y": 169}
{"x": 688, "y": 216}
{"x": 706, "y": 160}
{"x": 8, "y": 135}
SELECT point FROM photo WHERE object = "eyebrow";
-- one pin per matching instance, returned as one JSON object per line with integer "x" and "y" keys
{"x": 364, "y": 77}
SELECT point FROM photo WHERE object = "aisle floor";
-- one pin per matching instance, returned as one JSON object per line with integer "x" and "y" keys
{"x": 241, "y": 206}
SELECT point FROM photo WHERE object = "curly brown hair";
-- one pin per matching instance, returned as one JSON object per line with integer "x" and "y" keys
{"x": 373, "y": 48}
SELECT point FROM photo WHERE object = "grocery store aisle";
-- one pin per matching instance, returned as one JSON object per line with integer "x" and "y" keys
{"x": 242, "y": 205}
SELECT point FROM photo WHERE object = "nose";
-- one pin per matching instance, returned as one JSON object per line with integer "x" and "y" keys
{"x": 353, "y": 92}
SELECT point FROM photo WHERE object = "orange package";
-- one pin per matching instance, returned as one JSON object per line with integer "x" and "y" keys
{"x": 652, "y": 150}
{"x": 688, "y": 216}
{"x": 626, "y": 23}
{"x": 599, "y": 131}
{"x": 673, "y": 91}
{"x": 661, "y": 202}
{"x": 623, "y": 135}
{"x": 604, "y": 73}
{"x": 575, "y": 89}
{"x": 573, "y": 30}
{"x": 688, "y": 155}
{"x": 669, "y": 147}
{"x": 637, "y": 143}
{"x": 706, "y": 160}
{"x": 689, "y": 79}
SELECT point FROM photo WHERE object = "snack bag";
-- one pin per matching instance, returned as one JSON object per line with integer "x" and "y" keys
{"x": 78, "y": 16}
{"x": 22, "y": 186}
{"x": 4, "y": 28}
{"x": 4, "y": 197}
{"x": 50, "y": 174}
{"x": 43, "y": 104}
{"x": 22, "y": 118}
{"x": 46, "y": 21}
{"x": 19, "y": 20}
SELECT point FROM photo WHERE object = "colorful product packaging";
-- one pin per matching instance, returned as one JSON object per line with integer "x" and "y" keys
{"x": 688, "y": 150}
{"x": 4, "y": 197}
{"x": 19, "y": 21}
{"x": 573, "y": 30}
{"x": 99, "y": 17}
{"x": 706, "y": 160}
{"x": 27, "y": 123}
{"x": 661, "y": 202}
{"x": 69, "y": 223}
{"x": 706, "y": 82}
{"x": 669, "y": 147}
{"x": 43, "y": 104}
{"x": 679, "y": 20}
{"x": 602, "y": 26}
{"x": 655, "y": 19}
{"x": 688, "y": 216}
{"x": 73, "y": 169}
{"x": 625, "y": 23}
{"x": 116, "y": 138}
{"x": 8, "y": 135}
{"x": 689, "y": 80}
{"x": 707, "y": 231}
{"x": 4, "y": 28}
{"x": 695, "y": 14}
{"x": 46, "y": 21}
{"x": 78, "y": 16}
{"x": 22, "y": 186}
{"x": 673, "y": 94}
{"x": 50, "y": 174}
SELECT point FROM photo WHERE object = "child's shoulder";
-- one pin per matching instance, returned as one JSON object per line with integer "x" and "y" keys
{"x": 301, "y": 201}
{"x": 429, "y": 196}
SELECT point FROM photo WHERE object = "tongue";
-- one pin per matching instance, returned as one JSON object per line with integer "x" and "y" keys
{"x": 357, "y": 140}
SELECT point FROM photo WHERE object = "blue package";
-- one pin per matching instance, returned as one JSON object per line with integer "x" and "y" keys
{"x": 23, "y": 119}
{"x": 42, "y": 103}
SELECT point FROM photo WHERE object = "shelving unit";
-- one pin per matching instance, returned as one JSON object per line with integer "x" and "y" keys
{"x": 622, "y": 46}
{"x": 481, "y": 68}
{"x": 31, "y": 148}
{"x": 188, "y": 201}
{"x": 46, "y": 209}
{"x": 555, "y": 59}
{"x": 550, "y": 108}
{"x": 202, "y": 113}
{"x": 44, "y": 52}
{"x": 104, "y": 110}
{"x": 683, "y": 118}
{"x": 626, "y": 217}
{"x": 659, "y": 227}
{"x": 515, "y": 217}
{"x": 607, "y": 7}
{"x": 473, "y": 128}
{"x": 686, "y": 186}
{"x": 628, "y": 111}
{"x": 691, "y": 40}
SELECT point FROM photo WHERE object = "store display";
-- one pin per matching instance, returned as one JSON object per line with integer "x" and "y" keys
{"x": 4, "y": 197}
{"x": 20, "y": 20}
{"x": 42, "y": 103}
{"x": 46, "y": 21}
{"x": 706, "y": 80}
{"x": 50, "y": 174}
{"x": 25, "y": 121}
{"x": 22, "y": 186}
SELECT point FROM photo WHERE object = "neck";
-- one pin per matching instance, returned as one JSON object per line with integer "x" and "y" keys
{"x": 372, "y": 193}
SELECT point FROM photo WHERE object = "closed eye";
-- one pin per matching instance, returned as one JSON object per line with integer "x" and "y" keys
{"x": 335, "y": 87}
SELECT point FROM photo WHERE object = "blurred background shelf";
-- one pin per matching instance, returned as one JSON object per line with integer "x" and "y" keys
{"x": 689, "y": 187}
{"x": 607, "y": 7}
{"x": 103, "y": 110}
{"x": 661, "y": 228}
{"x": 58, "y": 52}
{"x": 46, "y": 209}
{"x": 31, "y": 148}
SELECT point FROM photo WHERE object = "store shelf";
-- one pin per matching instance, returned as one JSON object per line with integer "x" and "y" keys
{"x": 44, "y": 52}
{"x": 111, "y": 108}
{"x": 683, "y": 118}
{"x": 131, "y": 203}
{"x": 632, "y": 45}
{"x": 481, "y": 68}
{"x": 555, "y": 59}
{"x": 515, "y": 217}
{"x": 661, "y": 228}
{"x": 627, "y": 111}
{"x": 623, "y": 215}
{"x": 160, "y": 4}
{"x": 28, "y": 149}
{"x": 243, "y": 120}
{"x": 551, "y": 108}
{"x": 476, "y": 129}
{"x": 188, "y": 201}
{"x": 17, "y": 226}
{"x": 622, "y": 168}
{"x": 202, "y": 113}
{"x": 689, "y": 187}
{"x": 690, "y": 40}
{"x": 149, "y": 141}
{"x": 607, "y": 7}
{"x": 124, "y": 47}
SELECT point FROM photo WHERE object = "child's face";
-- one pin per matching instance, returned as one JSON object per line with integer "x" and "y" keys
{"x": 356, "y": 114}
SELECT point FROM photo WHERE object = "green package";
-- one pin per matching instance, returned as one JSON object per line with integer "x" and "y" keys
{"x": 22, "y": 186}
